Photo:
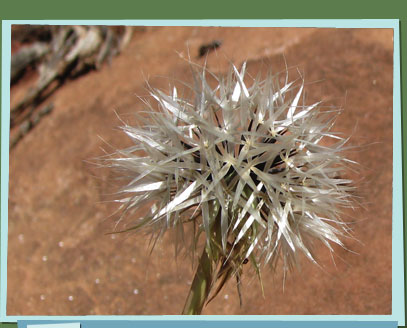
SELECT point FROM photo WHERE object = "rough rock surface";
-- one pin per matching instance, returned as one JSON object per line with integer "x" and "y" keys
{"x": 61, "y": 262}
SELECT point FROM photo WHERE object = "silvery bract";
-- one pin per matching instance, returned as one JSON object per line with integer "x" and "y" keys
{"x": 246, "y": 163}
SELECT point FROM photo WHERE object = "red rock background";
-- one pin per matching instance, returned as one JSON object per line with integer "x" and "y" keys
{"x": 61, "y": 262}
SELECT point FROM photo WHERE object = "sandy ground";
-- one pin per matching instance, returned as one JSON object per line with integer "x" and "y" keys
{"x": 60, "y": 260}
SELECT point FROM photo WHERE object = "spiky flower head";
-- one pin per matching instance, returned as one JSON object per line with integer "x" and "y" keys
{"x": 245, "y": 163}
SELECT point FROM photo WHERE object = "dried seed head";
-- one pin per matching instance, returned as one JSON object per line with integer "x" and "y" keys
{"x": 244, "y": 163}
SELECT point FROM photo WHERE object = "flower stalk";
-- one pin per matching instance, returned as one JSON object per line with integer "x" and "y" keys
{"x": 201, "y": 286}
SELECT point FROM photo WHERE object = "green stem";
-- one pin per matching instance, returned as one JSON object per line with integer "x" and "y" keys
{"x": 201, "y": 286}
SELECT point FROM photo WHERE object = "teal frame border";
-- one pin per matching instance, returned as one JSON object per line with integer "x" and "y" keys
{"x": 398, "y": 286}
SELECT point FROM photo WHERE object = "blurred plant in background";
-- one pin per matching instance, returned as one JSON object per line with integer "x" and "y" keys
{"x": 57, "y": 53}
{"x": 246, "y": 165}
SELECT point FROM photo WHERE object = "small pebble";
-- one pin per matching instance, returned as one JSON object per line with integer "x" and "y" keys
{"x": 226, "y": 297}
{"x": 97, "y": 281}
{"x": 135, "y": 292}
{"x": 70, "y": 298}
{"x": 42, "y": 297}
{"x": 44, "y": 258}
{"x": 61, "y": 244}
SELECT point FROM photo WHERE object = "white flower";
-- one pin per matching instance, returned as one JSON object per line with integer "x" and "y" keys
{"x": 246, "y": 164}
